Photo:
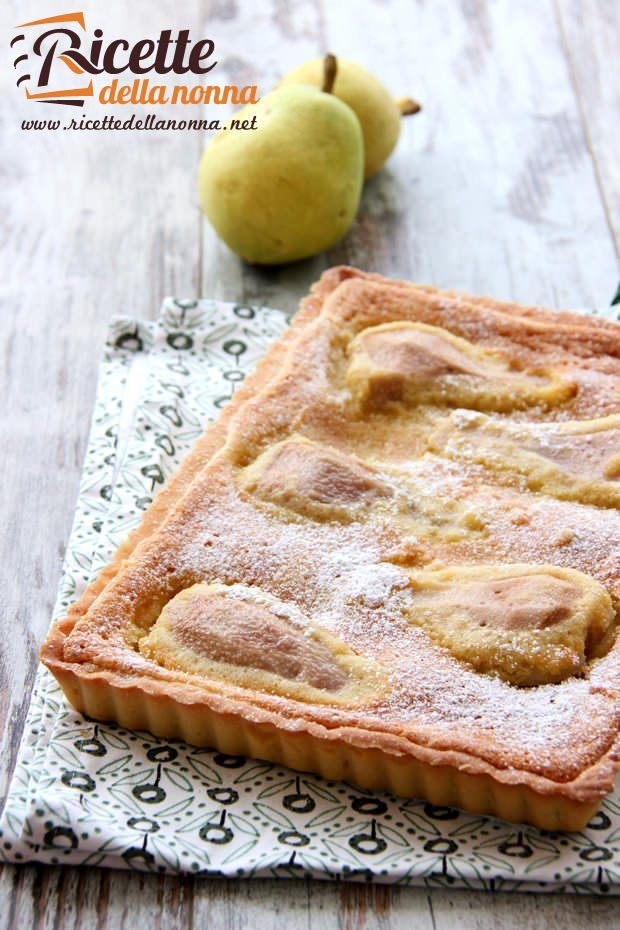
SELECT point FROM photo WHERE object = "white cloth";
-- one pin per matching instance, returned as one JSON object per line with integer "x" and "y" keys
{"x": 96, "y": 794}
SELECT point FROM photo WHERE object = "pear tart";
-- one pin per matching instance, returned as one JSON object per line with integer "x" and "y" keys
{"x": 394, "y": 559}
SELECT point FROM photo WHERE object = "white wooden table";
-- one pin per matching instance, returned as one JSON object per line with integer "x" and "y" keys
{"x": 508, "y": 183}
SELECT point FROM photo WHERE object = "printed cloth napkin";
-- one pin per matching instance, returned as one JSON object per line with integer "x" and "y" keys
{"x": 85, "y": 793}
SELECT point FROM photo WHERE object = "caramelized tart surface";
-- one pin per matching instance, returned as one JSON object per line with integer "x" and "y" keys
{"x": 402, "y": 539}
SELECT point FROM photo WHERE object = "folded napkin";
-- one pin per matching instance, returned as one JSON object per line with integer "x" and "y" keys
{"x": 86, "y": 793}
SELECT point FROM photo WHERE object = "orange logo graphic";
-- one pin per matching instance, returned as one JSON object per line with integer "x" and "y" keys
{"x": 57, "y": 59}
{"x": 45, "y": 46}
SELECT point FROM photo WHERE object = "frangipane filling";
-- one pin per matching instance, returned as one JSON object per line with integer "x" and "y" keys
{"x": 529, "y": 624}
{"x": 413, "y": 363}
{"x": 321, "y": 483}
{"x": 250, "y": 639}
{"x": 574, "y": 460}
{"x": 312, "y": 479}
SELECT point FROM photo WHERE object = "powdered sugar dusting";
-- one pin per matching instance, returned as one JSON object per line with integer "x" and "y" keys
{"x": 346, "y": 576}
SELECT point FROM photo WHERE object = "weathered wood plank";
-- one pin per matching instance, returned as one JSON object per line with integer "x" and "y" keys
{"x": 276, "y": 37}
{"x": 492, "y": 188}
{"x": 92, "y": 224}
{"x": 591, "y": 33}
{"x": 88, "y": 230}
{"x": 50, "y": 898}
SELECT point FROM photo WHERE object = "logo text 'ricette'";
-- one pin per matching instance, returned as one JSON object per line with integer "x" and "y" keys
{"x": 50, "y": 48}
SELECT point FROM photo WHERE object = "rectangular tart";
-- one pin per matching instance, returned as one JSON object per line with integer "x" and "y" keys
{"x": 393, "y": 560}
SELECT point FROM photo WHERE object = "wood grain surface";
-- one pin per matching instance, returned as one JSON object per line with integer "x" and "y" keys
{"x": 508, "y": 183}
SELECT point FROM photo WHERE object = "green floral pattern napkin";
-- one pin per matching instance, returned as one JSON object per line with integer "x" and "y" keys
{"x": 85, "y": 793}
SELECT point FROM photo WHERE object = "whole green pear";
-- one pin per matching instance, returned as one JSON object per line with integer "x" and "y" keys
{"x": 290, "y": 187}
{"x": 379, "y": 114}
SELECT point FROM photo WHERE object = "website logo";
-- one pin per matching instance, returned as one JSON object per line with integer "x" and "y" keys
{"x": 59, "y": 61}
{"x": 38, "y": 52}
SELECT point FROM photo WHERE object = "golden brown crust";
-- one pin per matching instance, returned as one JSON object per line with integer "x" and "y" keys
{"x": 406, "y": 769}
{"x": 438, "y": 714}
{"x": 215, "y": 433}
{"x": 198, "y": 457}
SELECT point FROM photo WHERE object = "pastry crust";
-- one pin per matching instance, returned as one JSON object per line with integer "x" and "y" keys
{"x": 328, "y": 510}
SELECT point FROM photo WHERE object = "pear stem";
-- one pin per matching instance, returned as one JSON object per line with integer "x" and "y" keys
{"x": 408, "y": 107}
{"x": 330, "y": 69}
